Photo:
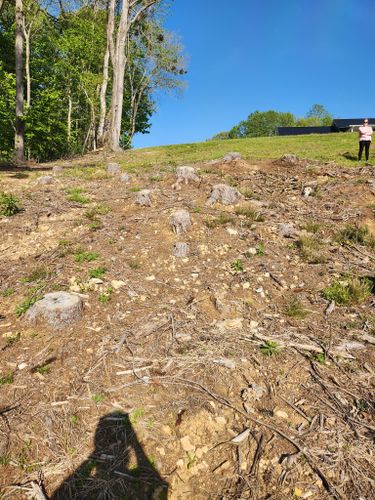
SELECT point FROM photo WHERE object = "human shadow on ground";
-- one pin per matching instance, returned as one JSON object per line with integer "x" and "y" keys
{"x": 117, "y": 469}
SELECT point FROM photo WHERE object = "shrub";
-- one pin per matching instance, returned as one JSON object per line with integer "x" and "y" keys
{"x": 9, "y": 204}
{"x": 270, "y": 348}
{"x": 352, "y": 291}
{"x": 81, "y": 256}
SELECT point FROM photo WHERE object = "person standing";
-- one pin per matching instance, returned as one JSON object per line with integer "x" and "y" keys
{"x": 365, "y": 133}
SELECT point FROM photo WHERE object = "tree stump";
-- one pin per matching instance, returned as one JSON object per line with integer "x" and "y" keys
{"x": 113, "y": 168}
{"x": 46, "y": 179}
{"x": 180, "y": 250}
{"x": 289, "y": 159}
{"x": 57, "y": 309}
{"x": 232, "y": 156}
{"x": 143, "y": 198}
{"x": 125, "y": 177}
{"x": 57, "y": 169}
{"x": 180, "y": 221}
{"x": 184, "y": 175}
{"x": 226, "y": 195}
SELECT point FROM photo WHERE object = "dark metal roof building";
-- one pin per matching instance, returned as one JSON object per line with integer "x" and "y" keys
{"x": 304, "y": 130}
{"x": 345, "y": 124}
{"x": 338, "y": 125}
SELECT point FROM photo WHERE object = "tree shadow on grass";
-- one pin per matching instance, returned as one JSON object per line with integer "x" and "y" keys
{"x": 117, "y": 469}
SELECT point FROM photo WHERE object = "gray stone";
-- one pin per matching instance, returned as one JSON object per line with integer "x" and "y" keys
{"x": 125, "y": 177}
{"x": 232, "y": 156}
{"x": 180, "y": 221}
{"x": 180, "y": 249}
{"x": 113, "y": 168}
{"x": 46, "y": 179}
{"x": 143, "y": 198}
{"x": 57, "y": 309}
{"x": 224, "y": 194}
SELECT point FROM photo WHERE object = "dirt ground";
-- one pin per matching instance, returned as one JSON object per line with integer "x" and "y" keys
{"x": 220, "y": 375}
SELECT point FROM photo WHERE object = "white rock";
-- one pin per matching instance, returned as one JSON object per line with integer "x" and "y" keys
{"x": 241, "y": 437}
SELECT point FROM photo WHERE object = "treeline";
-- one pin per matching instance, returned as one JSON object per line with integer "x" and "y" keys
{"x": 81, "y": 75}
{"x": 265, "y": 123}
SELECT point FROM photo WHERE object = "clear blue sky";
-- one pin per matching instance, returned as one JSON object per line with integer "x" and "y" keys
{"x": 284, "y": 55}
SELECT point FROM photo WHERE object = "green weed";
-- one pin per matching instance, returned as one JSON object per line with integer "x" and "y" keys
{"x": 311, "y": 250}
{"x": 91, "y": 213}
{"x": 9, "y": 204}
{"x": 237, "y": 265}
{"x": 260, "y": 250}
{"x": 270, "y": 348}
{"x": 105, "y": 297}
{"x": 319, "y": 358}
{"x": 75, "y": 195}
{"x": 13, "y": 339}
{"x": 7, "y": 292}
{"x": 43, "y": 370}
{"x": 136, "y": 415}
{"x": 98, "y": 398}
{"x": 356, "y": 234}
{"x": 250, "y": 214}
{"x": 82, "y": 256}
{"x": 221, "y": 220}
{"x": 25, "y": 305}
{"x": 352, "y": 290}
{"x": 7, "y": 379}
{"x": 98, "y": 272}
{"x": 312, "y": 227}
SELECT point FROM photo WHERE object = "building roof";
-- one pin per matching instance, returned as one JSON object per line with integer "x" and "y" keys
{"x": 347, "y": 122}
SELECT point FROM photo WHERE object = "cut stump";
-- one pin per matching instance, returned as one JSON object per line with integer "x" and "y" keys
{"x": 57, "y": 309}
{"x": 143, "y": 198}
{"x": 226, "y": 195}
{"x": 180, "y": 221}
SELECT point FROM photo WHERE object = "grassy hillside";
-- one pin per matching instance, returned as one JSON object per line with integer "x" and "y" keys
{"x": 332, "y": 147}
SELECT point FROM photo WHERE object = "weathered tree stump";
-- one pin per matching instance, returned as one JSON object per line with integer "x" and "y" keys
{"x": 226, "y": 195}
{"x": 57, "y": 309}
{"x": 289, "y": 159}
{"x": 180, "y": 221}
{"x": 184, "y": 175}
{"x": 143, "y": 198}
{"x": 113, "y": 168}
{"x": 57, "y": 169}
{"x": 232, "y": 156}
{"x": 287, "y": 230}
{"x": 180, "y": 250}
{"x": 46, "y": 179}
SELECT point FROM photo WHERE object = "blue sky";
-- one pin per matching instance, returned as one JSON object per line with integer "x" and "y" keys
{"x": 284, "y": 55}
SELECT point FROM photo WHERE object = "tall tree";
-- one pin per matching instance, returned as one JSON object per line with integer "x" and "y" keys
{"x": 19, "y": 142}
{"x": 131, "y": 11}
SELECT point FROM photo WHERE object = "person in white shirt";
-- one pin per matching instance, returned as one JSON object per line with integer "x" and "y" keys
{"x": 365, "y": 133}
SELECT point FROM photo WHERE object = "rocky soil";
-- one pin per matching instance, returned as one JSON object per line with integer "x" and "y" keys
{"x": 224, "y": 344}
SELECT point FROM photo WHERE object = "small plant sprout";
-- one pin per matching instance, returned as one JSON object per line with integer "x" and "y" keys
{"x": 105, "y": 297}
{"x": 237, "y": 266}
{"x": 43, "y": 370}
{"x": 7, "y": 379}
{"x": 98, "y": 398}
{"x": 136, "y": 415}
{"x": 319, "y": 358}
{"x": 260, "y": 250}
{"x": 9, "y": 204}
{"x": 270, "y": 348}
{"x": 7, "y": 292}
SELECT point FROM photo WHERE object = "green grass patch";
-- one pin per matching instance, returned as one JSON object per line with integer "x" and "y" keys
{"x": 7, "y": 379}
{"x": 8, "y": 292}
{"x": 98, "y": 272}
{"x": 76, "y": 195}
{"x": 237, "y": 266}
{"x": 250, "y": 214}
{"x": 348, "y": 291}
{"x": 220, "y": 220}
{"x": 295, "y": 309}
{"x": 93, "y": 212}
{"x": 311, "y": 250}
{"x": 25, "y": 305}
{"x": 356, "y": 234}
{"x": 270, "y": 348}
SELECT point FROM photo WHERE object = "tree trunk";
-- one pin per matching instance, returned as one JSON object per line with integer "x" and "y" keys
{"x": 27, "y": 69}
{"x": 119, "y": 64}
{"x": 19, "y": 142}
{"x": 104, "y": 85}
{"x": 69, "y": 117}
{"x": 1, "y": 4}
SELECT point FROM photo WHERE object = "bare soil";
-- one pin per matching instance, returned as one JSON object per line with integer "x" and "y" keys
{"x": 142, "y": 397}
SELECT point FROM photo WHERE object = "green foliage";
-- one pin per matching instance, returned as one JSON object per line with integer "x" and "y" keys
{"x": 43, "y": 370}
{"x": 7, "y": 379}
{"x": 9, "y": 204}
{"x": 25, "y": 305}
{"x": 220, "y": 220}
{"x": 136, "y": 415}
{"x": 237, "y": 265}
{"x": 319, "y": 358}
{"x": 352, "y": 290}
{"x": 98, "y": 272}
{"x": 98, "y": 398}
{"x": 356, "y": 234}
{"x": 82, "y": 256}
{"x": 250, "y": 214}
{"x": 7, "y": 292}
{"x": 75, "y": 194}
{"x": 106, "y": 296}
{"x": 270, "y": 348}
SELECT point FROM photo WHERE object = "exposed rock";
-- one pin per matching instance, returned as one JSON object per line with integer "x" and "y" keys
{"x": 125, "y": 177}
{"x": 287, "y": 230}
{"x": 180, "y": 249}
{"x": 307, "y": 191}
{"x": 58, "y": 309}
{"x": 46, "y": 179}
{"x": 180, "y": 221}
{"x": 289, "y": 159}
{"x": 113, "y": 168}
{"x": 224, "y": 194}
{"x": 143, "y": 198}
{"x": 232, "y": 156}
{"x": 184, "y": 175}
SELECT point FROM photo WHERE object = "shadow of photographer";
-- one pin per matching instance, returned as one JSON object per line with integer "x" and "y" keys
{"x": 117, "y": 469}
